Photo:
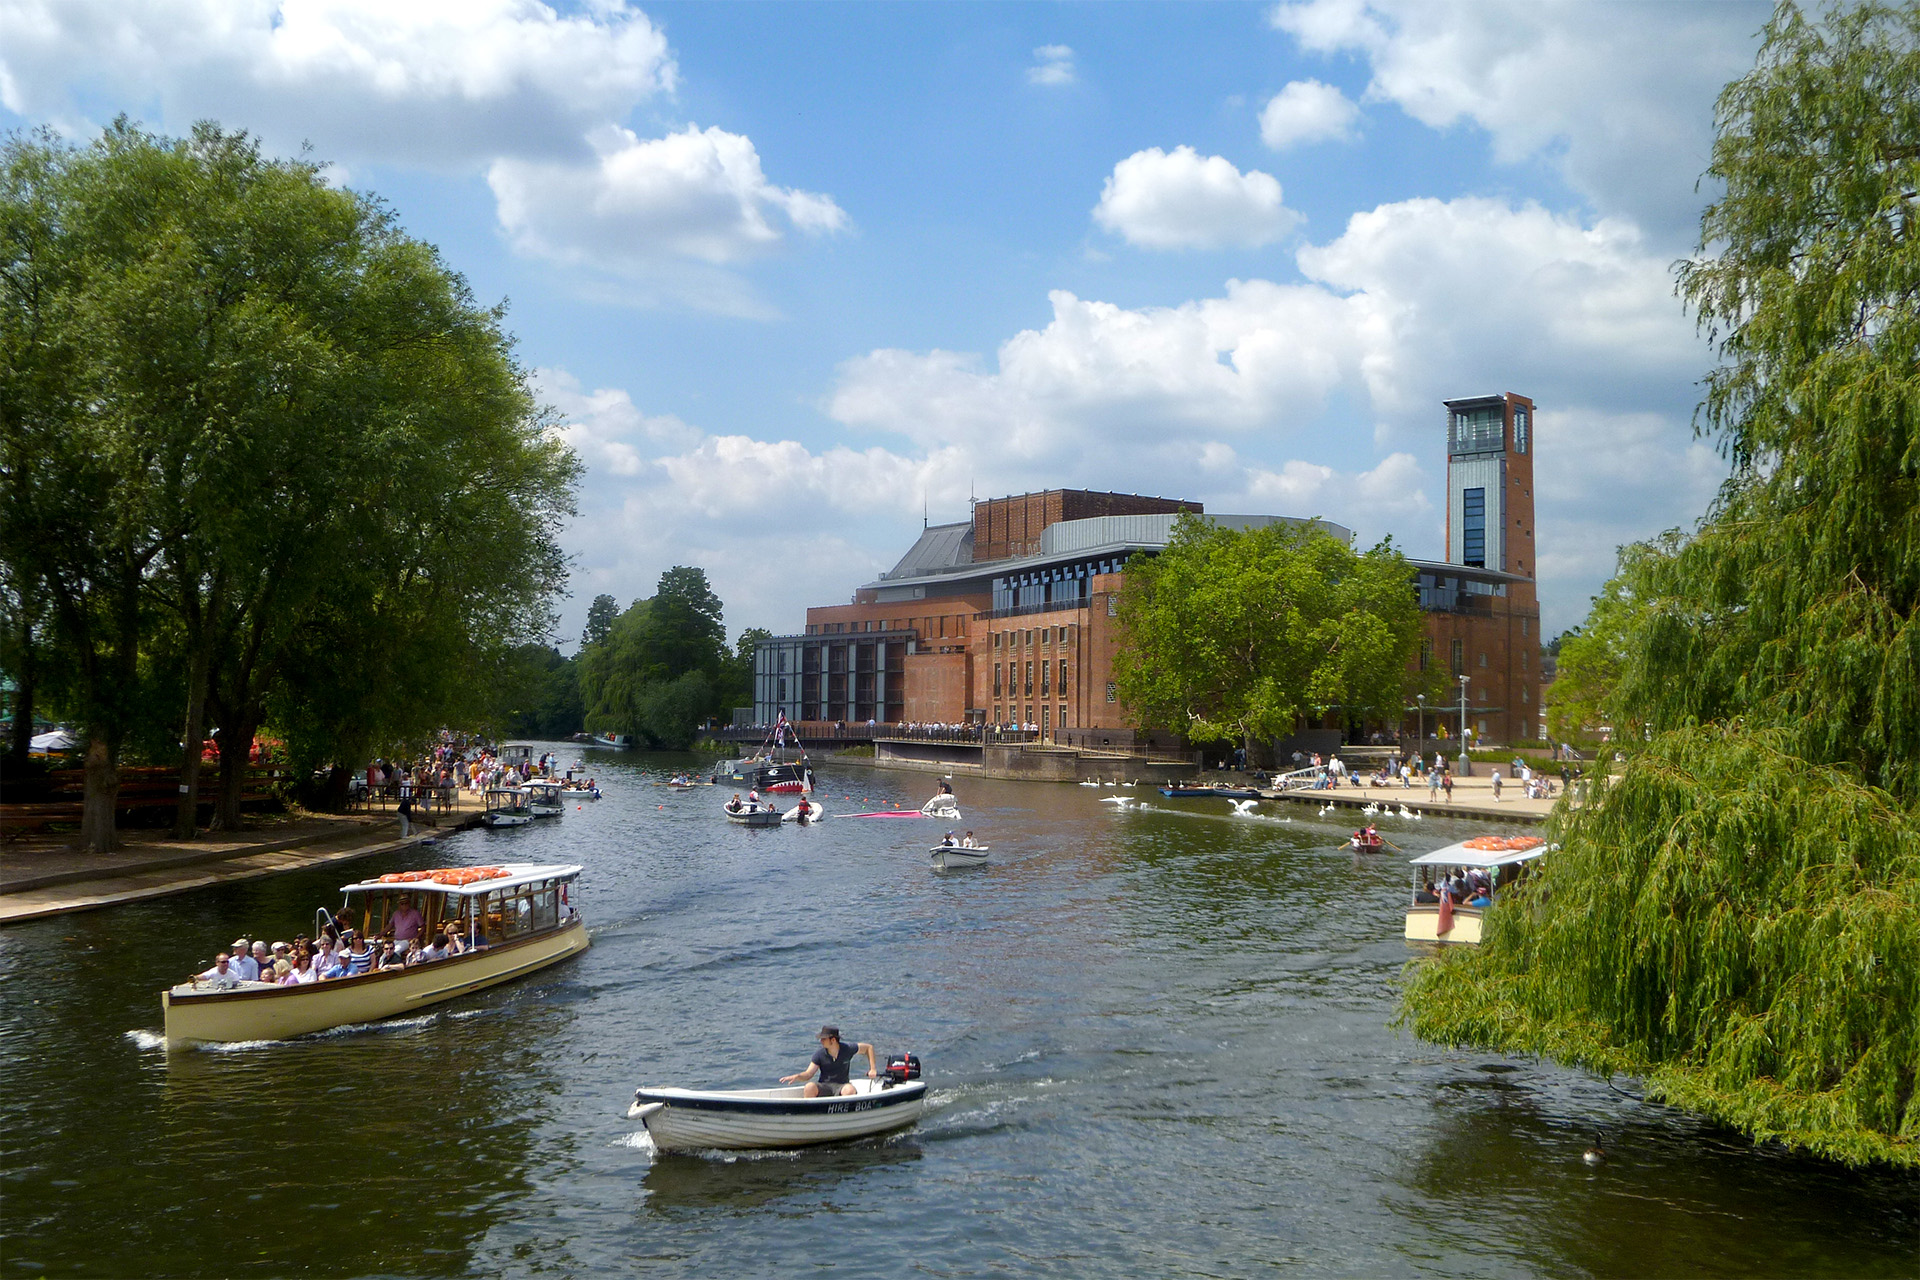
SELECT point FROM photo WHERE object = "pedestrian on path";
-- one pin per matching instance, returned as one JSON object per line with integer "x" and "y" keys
{"x": 1433, "y": 785}
{"x": 406, "y": 812}
{"x": 1496, "y": 783}
{"x": 1446, "y": 784}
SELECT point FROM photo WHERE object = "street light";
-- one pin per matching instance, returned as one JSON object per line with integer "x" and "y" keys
{"x": 1466, "y": 762}
{"x": 1421, "y": 749}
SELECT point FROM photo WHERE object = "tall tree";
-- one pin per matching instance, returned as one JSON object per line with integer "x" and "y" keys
{"x": 1737, "y": 920}
{"x": 600, "y": 616}
{"x": 662, "y": 666}
{"x": 1242, "y": 635}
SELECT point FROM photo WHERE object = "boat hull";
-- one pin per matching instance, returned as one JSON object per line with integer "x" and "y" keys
{"x": 757, "y": 818}
{"x": 953, "y": 859}
{"x": 260, "y": 1012}
{"x": 1423, "y": 924}
{"x": 773, "y": 1119}
{"x": 506, "y": 819}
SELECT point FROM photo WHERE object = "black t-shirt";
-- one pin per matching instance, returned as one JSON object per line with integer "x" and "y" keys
{"x": 833, "y": 1070}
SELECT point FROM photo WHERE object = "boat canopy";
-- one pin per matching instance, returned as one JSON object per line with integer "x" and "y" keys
{"x": 1459, "y": 855}
{"x": 517, "y": 874}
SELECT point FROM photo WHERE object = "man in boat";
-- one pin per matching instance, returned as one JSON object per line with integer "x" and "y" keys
{"x": 948, "y": 842}
{"x": 222, "y": 974}
{"x": 406, "y": 923}
{"x": 734, "y": 805}
{"x": 830, "y": 1062}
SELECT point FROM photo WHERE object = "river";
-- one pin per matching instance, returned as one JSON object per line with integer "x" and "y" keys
{"x": 1159, "y": 1042}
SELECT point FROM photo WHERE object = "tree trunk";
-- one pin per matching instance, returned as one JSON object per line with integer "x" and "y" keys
{"x": 192, "y": 735}
{"x": 236, "y": 748}
{"x": 102, "y": 793}
{"x": 20, "y": 743}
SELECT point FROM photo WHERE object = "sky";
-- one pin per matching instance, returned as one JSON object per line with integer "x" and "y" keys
{"x": 795, "y": 277}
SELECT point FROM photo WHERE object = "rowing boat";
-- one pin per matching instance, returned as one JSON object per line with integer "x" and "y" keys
{"x": 947, "y": 857}
{"x": 777, "y": 1119}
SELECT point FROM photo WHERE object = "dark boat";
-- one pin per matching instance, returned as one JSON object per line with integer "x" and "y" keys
{"x": 1218, "y": 793}
{"x": 762, "y": 774}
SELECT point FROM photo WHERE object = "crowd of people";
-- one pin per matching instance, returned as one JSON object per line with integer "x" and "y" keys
{"x": 339, "y": 952}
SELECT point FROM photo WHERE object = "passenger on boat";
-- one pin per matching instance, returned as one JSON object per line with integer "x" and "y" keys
{"x": 966, "y": 841}
{"x": 450, "y": 934}
{"x": 222, "y": 974}
{"x": 437, "y": 949}
{"x": 406, "y": 922}
{"x": 830, "y": 1062}
{"x": 262, "y": 962}
{"x": 241, "y": 962}
{"x": 1425, "y": 893}
{"x": 332, "y": 964}
{"x": 734, "y": 805}
{"x": 948, "y": 842}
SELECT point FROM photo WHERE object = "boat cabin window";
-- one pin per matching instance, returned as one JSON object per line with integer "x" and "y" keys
{"x": 523, "y": 910}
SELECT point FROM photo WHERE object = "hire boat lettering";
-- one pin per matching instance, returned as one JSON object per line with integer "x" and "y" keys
{"x": 511, "y": 920}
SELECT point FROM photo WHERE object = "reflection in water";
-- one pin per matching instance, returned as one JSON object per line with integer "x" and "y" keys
{"x": 737, "y": 1181}
{"x": 1157, "y": 1042}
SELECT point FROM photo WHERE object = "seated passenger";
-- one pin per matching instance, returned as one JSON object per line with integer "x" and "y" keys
{"x": 222, "y": 974}
{"x": 451, "y": 936}
{"x": 734, "y": 805}
{"x": 437, "y": 949}
{"x": 948, "y": 842}
{"x": 1425, "y": 893}
{"x": 359, "y": 956}
{"x": 415, "y": 954}
{"x": 966, "y": 841}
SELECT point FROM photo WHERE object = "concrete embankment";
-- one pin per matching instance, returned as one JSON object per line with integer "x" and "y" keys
{"x": 45, "y": 879}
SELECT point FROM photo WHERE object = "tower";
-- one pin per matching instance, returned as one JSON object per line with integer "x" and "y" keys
{"x": 1490, "y": 483}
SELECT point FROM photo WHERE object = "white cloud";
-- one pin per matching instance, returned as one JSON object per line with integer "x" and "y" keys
{"x": 1052, "y": 65}
{"x": 1412, "y": 303}
{"x": 430, "y": 82}
{"x": 1618, "y": 96}
{"x": 696, "y": 194}
{"x": 1182, "y": 200}
{"x": 1307, "y": 111}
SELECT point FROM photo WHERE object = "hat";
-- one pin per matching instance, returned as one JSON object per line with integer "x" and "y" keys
{"x": 281, "y": 946}
{"x": 829, "y": 1032}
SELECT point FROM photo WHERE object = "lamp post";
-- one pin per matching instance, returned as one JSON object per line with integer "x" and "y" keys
{"x": 1466, "y": 762}
{"x": 1420, "y": 749}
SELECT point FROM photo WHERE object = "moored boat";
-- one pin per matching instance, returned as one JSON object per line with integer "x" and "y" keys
{"x": 1435, "y": 915}
{"x": 618, "y": 741}
{"x": 774, "y": 1119}
{"x": 1216, "y": 792}
{"x": 512, "y": 919}
{"x": 947, "y": 857}
{"x": 545, "y": 799}
{"x": 763, "y": 773}
{"x": 506, "y": 807}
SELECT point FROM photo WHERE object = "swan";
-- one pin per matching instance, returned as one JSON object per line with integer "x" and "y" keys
{"x": 1243, "y": 808}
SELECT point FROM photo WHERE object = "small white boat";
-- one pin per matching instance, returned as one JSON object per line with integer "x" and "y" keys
{"x": 545, "y": 799}
{"x": 804, "y": 818}
{"x": 948, "y": 856}
{"x": 774, "y": 1119}
{"x": 513, "y": 919}
{"x": 1439, "y": 919}
{"x": 752, "y": 815}
{"x": 506, "y": 807}
{"x": 944, "y": 805}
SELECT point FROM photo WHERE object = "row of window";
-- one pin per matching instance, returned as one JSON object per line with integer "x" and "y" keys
{"x": 1014, "y": 682}
{"x": 1030, "y": 636}
{"x": 1042, "y": 716}
{"x": 1063, "y": 584}
{"x": 937, "y": 627}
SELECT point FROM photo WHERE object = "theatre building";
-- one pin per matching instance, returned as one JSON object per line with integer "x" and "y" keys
{"x": 1011, "y": 618}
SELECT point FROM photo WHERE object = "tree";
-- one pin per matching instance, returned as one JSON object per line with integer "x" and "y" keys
{"x": 268, "y": 438}
{"x": 1243, "y": 634}
{"x": 1737, "y": 918}
{"x": 600, "y": 616}
{"x": 738, "y": 691}
{"x": 660, "y": 669}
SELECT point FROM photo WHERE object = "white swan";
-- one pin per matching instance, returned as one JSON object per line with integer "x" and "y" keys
{"x": 1243, "y": 807}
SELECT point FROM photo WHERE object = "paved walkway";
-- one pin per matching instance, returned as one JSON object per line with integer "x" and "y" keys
{"x": 1472, "y": 798}
{"x": 46, "y": 876}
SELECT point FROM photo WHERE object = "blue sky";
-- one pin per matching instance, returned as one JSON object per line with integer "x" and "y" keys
{"x": 792, "y": 274}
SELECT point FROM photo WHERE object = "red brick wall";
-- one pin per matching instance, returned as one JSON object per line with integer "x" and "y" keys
{"x": 937, "y": 685}
{"x": 1004, "y": 527}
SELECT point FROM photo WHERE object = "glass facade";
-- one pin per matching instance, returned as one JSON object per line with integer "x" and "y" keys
{"x": 1473, "y": 527}
{"x": 1065, "y": 585}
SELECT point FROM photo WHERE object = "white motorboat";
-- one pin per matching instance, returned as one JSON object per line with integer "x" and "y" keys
{"x": 752, "y": 815}
{"x": 949, "y": 856}
{"x": 545, "y": 799}
{"x": 1434, "y": 916}
{"x": 804, "y": 817}
{"x": 774, "y": 1119}
{"x": 512, "y": 919}
{"x": 944, "y": 805}
{"x": 506, "y": 807}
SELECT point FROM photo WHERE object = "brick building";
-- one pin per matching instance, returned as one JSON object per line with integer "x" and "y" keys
{"x": 1010, "y": 617}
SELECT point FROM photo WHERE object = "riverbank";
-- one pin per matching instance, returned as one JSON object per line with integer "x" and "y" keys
{"x": 45, "y": 877}
{"x": 1473, "y": 797}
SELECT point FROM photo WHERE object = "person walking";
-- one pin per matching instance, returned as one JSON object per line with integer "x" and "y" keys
{"x": 1446, "y": 784}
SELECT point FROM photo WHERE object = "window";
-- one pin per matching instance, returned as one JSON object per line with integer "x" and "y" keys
{"x": 1458, "y": 655}
{"x": 996, "y": 639}
{"x": 943, "y": 624}
{"x": 996, "y": 679}
{"x": 1523, "y": 626}
{"x": 1473, "y": 527}
{"x": 1046, "y": 719}
{"x": 1046, "y": 686}
{"x": 1525, "y": 695}
{"x": 1062, "y": 686}
{"x": 1483, "y": 660}
{"x": 1113, "y": 610}
{"x": 1062, "y": 721}
{"x": 1113, "y": 693}
{"x": 1523, "y": 659}
{"x": 1519, "y": 430}
{"x": 1426, "y": 651}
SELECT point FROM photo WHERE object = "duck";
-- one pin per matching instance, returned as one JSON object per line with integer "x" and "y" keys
{"x": 1597, "y": 1153}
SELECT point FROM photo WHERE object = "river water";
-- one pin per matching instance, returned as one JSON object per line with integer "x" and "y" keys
{"x": 1158, "y": 1041}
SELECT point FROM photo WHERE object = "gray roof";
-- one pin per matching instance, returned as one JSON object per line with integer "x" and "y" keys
{"x": 942, "y": 548}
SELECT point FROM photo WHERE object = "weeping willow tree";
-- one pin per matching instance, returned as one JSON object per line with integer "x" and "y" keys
{"x": 1736, "y": 919}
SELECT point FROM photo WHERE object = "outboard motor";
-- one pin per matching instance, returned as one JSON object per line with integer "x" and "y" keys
{"x": 901, "y": 1068}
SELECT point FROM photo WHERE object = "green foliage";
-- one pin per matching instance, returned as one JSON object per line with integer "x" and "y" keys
{"x": 542, "y": 693}
{"x": 1737, "y": 917}
{"x": 662, "y": 666}
{"x": 1241, "y": 635}
{"x": 268, "y": 438}
{"x": 1738, "y": 928}
{"x": 600, "y": 616}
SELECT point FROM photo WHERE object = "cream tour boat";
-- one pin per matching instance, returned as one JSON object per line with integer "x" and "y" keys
{"x": 511, "y": 919}
{"x": 1453, "y": 908}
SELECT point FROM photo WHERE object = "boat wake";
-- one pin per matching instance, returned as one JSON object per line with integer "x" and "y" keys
{"x": 147, "y": 1040}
